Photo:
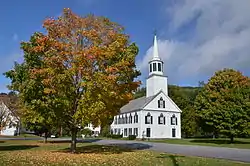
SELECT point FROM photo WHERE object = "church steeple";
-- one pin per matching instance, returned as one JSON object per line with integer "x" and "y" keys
{"x": 155, "y": 53}
{"x": 155, "y": 64}
{"x": 156, "y": 81}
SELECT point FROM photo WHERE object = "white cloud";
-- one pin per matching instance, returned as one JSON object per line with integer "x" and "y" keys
{"x": 221, "y": 39}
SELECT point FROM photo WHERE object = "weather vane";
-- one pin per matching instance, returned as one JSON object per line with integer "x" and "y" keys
{"x": 155, "y": 32}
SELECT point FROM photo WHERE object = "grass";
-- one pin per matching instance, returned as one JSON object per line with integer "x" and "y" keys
{"x": 27, "y": 152}
{"x": 220, "y": 142}
{"x": 21, "y": 136}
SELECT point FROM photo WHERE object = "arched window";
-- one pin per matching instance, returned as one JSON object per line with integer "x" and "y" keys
{"x": 161, "y": 103}
{"x": 154, "y": 66}
{"x": 161, "y": 119}
{"x": 130, "y": 118}
{"x": 159, "y": 67}
{"x": 119, "y": 119}
{"x": 148, "y": 119}
{"x": 136, "y": 118}
{"x": 173, "y": 120}
{"x": 123, "y": 119}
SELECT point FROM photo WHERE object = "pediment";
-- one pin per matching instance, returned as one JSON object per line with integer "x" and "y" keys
{"x": 169, "y": 103}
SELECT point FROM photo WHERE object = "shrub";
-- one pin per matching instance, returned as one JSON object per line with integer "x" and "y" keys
{"x": 132, "y": 137}
{"x": 115, "y": 136}
{"x": 105, "y": 131}
{"x": 86, "y": 132}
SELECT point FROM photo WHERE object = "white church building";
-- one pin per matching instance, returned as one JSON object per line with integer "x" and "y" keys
{"x": 154, "y": 115}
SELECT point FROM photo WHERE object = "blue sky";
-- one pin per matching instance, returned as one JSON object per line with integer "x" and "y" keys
{"x": 193, "y": 42}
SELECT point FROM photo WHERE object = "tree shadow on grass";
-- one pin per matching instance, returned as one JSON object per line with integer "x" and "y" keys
{"x": 218, "y": 141}
{"x": 98, "y": 149}
{"x": 58, "y": 141}
{"x": 17, "y": 147}
{"x": 173, "y": 158}
{"x": 109, "y": 149}
{"x": 134, "y": 146}
{"x": 91, "y": 140}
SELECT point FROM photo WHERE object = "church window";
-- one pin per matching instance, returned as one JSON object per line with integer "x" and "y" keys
{"x": 159, "y": 67}
{"x": 161, "y": 103}
{"x": 136, "y": 131}
{"x": 130, "y": 131}
{"x": 148, "y": 119}
{"x": 130, "y": 119}
{"x": 119, "y": 120}
{"x": 123, "y": 119}
{"x": 161, "y": 119}
{"x": 136, "y": 118}
{"x": 119, "y": 131}
{"x": 150, "y": 67}
{"x": 125, "y": 132}
{"x": 154, "y": 66}
{"x": 173, "y": 120}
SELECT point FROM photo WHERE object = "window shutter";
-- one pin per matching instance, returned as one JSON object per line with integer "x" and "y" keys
{"x": 158, "y": 120}
{"x": 171, "y": 121}
{"x": 163, "y": 104}
{"x": 159, "y": 104}
{"x": 164, "y": 120}
{"x": 146, "y": 120}
{"x": 151, "y": 119}
{"x": 176, "y": 121}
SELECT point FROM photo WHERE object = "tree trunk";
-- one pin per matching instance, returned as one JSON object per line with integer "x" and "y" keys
{"x": 45, "y": 137}
{"x": 231, "y": 139}
{"x": 61, "y": 131}
{"x": 73, "y": 140}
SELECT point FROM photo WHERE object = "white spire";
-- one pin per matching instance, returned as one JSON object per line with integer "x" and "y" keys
{"x": 155, "y": 54}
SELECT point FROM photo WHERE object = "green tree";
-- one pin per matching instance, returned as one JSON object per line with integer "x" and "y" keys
{"x": 223, "y": 105}
{"x": 140, "y": 92}
{"x": 33, "y": 103}
{"x": 86, "y": 132}
{"x": 184, "y": 98}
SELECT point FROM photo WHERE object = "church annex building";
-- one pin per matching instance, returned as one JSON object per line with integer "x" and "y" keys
{"x": 154, "y": 115}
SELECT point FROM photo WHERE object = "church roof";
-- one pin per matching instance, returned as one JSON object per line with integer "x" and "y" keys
{"x": 6, "y": 100}
{"x": 136, "y": 104}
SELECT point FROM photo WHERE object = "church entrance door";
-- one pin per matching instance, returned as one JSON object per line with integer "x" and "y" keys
{"x": 173, "y": 133}
{"x": 148, "y": 132}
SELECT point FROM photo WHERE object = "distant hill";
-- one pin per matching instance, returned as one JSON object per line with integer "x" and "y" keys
{"x": 173, "y": 90}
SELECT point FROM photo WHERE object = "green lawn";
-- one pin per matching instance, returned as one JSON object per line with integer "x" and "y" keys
{"x": 18, "y": 153}
{"x": 238, "y": 143}
{"x": 20, "y": 136}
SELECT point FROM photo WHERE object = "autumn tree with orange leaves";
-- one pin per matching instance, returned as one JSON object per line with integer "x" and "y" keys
{"x": 88, "y": 69}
